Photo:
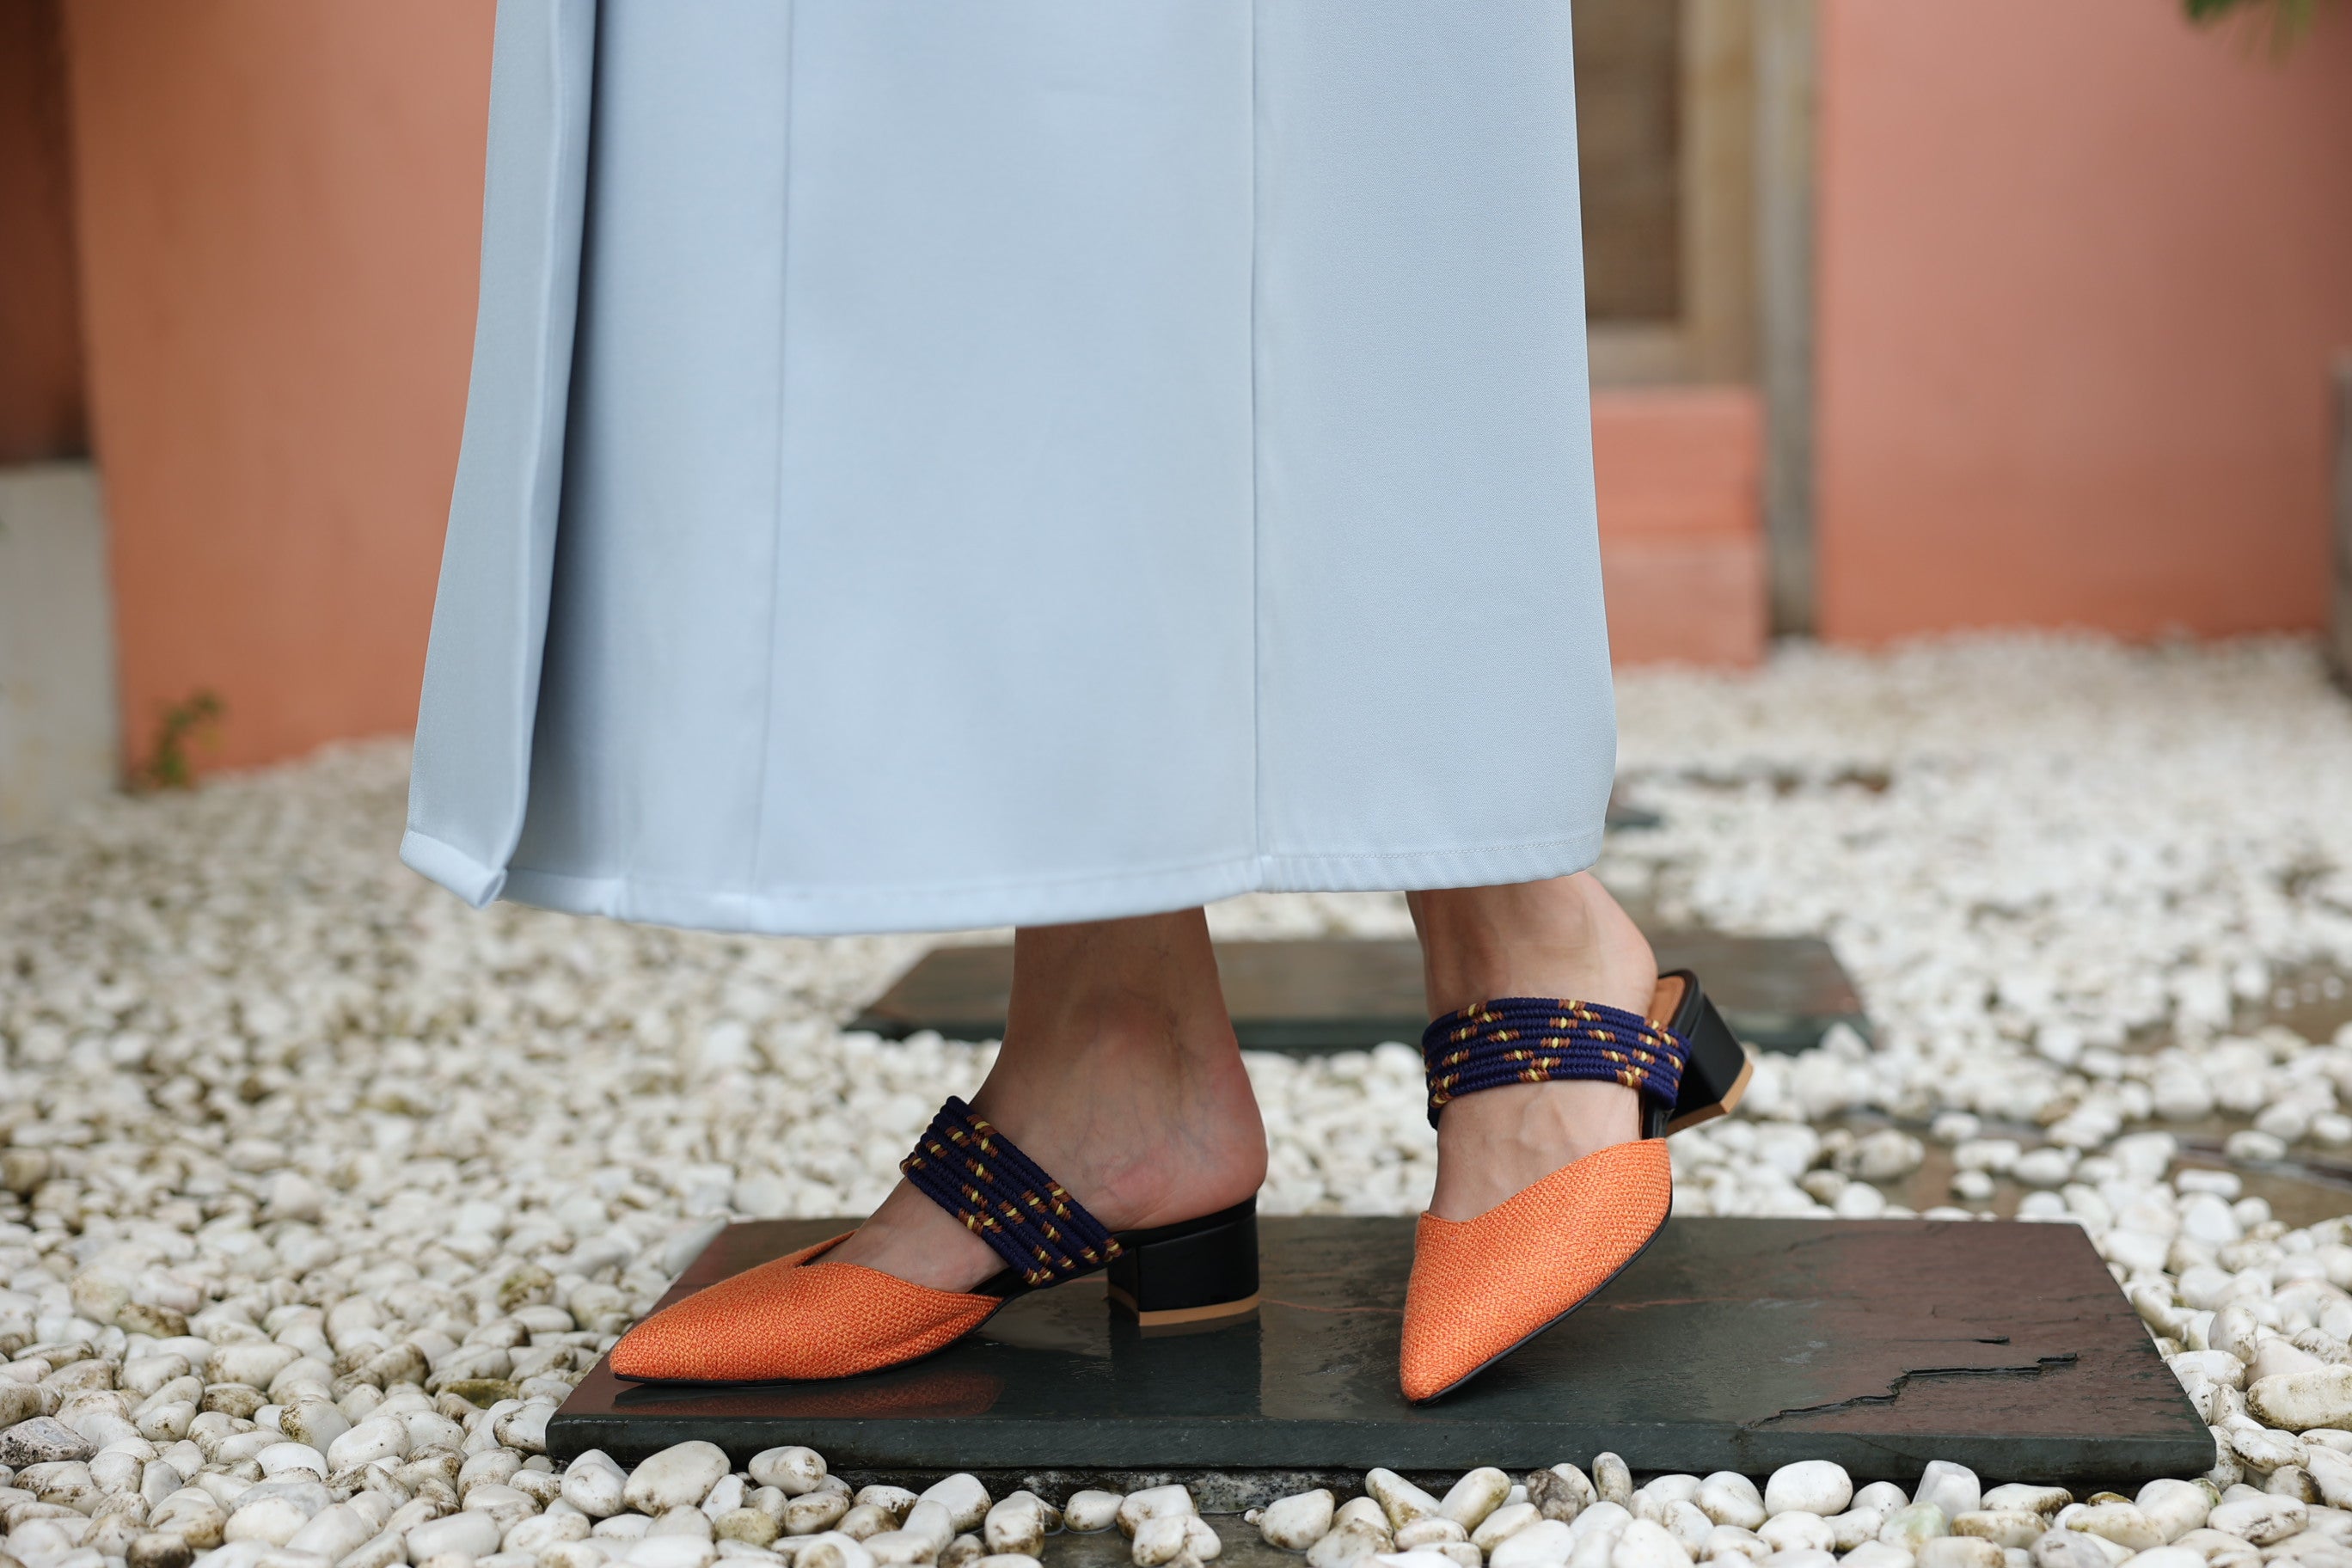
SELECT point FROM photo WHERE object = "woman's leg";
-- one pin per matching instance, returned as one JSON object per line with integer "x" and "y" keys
{"x": 1566, "y": 937}
{"x": 1119, "y": 1076}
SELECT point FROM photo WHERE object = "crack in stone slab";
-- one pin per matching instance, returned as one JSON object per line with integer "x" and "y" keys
{"x": 1902, "y": 1380}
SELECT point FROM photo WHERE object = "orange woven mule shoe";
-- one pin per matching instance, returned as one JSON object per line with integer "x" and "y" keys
{"x": 806, "y": 1317}
{"x": 1481, "y": 1288}
{"x": 798, "y": 1317}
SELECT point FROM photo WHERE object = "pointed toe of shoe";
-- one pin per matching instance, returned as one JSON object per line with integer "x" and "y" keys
{"x": 1481, "y": 1286}
{"x": 793, "y": 1320}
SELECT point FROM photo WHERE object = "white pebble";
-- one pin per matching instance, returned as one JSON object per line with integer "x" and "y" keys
{"x": 1729, "y": 1497}
{"x": 2167, "y": 1557}
{"x": 595, "y": 1485}
{"x": 2260, "y": 1520}
{"x": 458, "y": 1535}
{"x": 1877, "y": 1555}
{"x": 1797, "y": 1529}
{"x": 677, "y": 1477}
{"x": 1913, "y": 1525}
{"x": 1502, "y": 1524}
{"x": 1348, "y": 1542}
{"x": 1647, "y": 1545}
{"x": 1812, "y": 1486}
{"x": 1960, "y": 1552}
{"x": 1546, "y": 1543}
{"x": 1152, "y": 1502}
{"x": 1951, "y": 1487}
{"x": 378, "y": 1437}
{"x": 1015, "y": 1524}
{"x": 1296, "y": 1522}
{"x": 1475, "y": 1496}
{"x": 965, "y": 1499}
{"x": 793, "y": 1470}
{"x": 832, "y": 1550}
{"x": 280, "y": 1458}
{"x": 1398, "y": 1498}
{"x": 1855, "y": 1527}
{"x": 1090, "y": 1510}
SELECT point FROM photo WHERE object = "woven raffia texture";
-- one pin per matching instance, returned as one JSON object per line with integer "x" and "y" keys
{"x": 795, "y": 1319}
{"x": 1481, "y": 1286}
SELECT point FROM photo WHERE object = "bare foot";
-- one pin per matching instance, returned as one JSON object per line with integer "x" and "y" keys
{"x": 1564, "y": 938}
{"x": 1119, "y": 1076}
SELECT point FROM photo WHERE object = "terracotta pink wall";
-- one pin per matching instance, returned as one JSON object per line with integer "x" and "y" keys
{"x": 278, "y": 211}
{"x": 2081, "y": 271}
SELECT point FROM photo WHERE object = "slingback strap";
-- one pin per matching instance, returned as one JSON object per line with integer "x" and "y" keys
{"x": 1539, "y": 1039}
{"x": 972, "y": 1171}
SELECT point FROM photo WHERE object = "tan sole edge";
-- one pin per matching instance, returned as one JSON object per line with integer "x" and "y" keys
{"x": 1725, "y": 1106}
{"x": 1239, "y": 1309}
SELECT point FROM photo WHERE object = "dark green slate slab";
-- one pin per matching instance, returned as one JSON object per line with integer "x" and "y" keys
{"x": 1624, "y": 816}
{"x": 1731, "y": 1345}
{"x": 1778, "y": 993}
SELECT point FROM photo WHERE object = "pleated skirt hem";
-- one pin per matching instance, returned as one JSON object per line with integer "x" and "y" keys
{"x": 970, "y": 906}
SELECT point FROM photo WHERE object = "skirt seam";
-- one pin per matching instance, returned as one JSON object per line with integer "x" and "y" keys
{"x": 903, "y": 889}
{"x": 980, "y": 906}
{"x": 776, "y": 469}
{"x": 1499, "y": 846}
{"x": 1573, "y": 845}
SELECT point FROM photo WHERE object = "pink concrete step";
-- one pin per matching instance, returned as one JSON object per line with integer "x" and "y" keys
{"x": 1680, "y": 472}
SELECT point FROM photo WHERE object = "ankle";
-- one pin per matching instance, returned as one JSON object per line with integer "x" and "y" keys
{"x": 1140, "y": 1134}
{"x": 1115, "y": 1024}
{"x": 1120, "y": 1073}
{"x": 1566, "y": 937}
{"x": 1145, "y": 985}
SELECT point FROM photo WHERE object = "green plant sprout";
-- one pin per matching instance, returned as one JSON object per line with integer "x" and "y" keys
{"x": 2280, "y": 21}
{"x": 195, "y": 717}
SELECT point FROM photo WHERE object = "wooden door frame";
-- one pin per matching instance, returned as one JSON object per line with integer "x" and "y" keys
{"x": 1748, "y": 90}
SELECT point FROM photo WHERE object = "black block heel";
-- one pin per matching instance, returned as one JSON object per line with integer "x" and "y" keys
{"x": 1194, "y": 1271}
{"x": 1716, "y": 1073}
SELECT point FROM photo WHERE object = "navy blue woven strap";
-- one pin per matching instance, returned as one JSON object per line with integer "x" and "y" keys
{"x": 973, "y": 1172}
{"x": 1542, "y": 1039}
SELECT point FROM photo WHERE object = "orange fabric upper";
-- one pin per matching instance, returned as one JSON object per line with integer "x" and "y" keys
{"x": 1480, "y": 1286}
{"x": 794, "y": 1318}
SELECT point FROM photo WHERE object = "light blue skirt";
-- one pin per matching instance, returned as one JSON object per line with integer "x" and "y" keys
{"x": 950, "y": 463}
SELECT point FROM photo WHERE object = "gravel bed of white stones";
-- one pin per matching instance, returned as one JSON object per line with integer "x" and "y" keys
{"x": 318, "y": 1190}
